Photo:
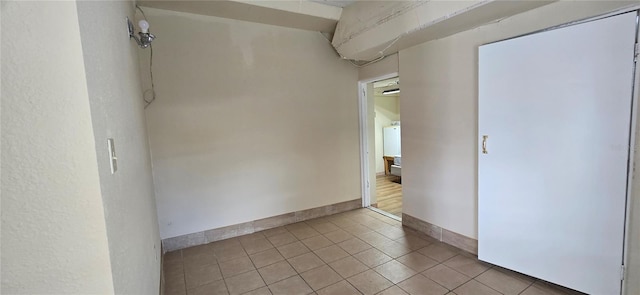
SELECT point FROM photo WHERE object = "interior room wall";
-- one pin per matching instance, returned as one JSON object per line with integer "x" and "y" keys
{"x": 250, "y": 121}
{"x": 439, "y": 113}
{"x": 54, "y": 236}
{"x": 387, "y": 110}
{"x": 115, "y": 95}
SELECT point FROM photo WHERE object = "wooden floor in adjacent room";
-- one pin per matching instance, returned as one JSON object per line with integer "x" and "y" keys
{"x": 389, "y": 194}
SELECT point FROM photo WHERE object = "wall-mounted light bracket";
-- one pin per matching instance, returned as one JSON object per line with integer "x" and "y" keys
{"x": 144, "y": 38}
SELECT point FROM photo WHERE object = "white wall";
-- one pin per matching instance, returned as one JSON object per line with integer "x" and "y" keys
{"x": 387, "y": 110}
{"x": 250, "y": 121}
{"x": 113, "y": 80}
{"x": 439, "y": 114}
{"x": 54, "y": 238}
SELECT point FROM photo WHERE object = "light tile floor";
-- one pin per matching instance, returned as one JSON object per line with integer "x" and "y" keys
{"x": 356, "y": 252}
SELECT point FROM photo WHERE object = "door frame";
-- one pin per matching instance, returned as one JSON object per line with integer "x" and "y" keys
{"x": 631, "y": 163}
{"x": 365, "y": 185}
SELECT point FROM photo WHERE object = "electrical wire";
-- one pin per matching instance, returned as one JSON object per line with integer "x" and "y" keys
{"x": 153, "y": 86}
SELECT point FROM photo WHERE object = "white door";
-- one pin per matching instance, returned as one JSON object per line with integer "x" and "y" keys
{"x": 556, "y": 107}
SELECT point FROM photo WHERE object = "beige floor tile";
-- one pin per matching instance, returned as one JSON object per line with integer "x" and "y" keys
{"x": 292, "y": 286}
{"x": 326, "y": 227}
{"x": 304, "y": 233}
{"x": 414, "y": 242}
{"x": 265, "y": 258}
{"x": 172, "y": 256}
{"x": 339, "y": 288}
{"x": 468, "y": 266}
{"x": 331, "y": 253}
{"x": 262, "y": 291}
{"x": 294, "y": 249}
{"x": 173, "y": 268}
{"x": 321, "y": 277}
{"x": 417, "y": 261}
{"x": 338, "y": 236}
{"x": 369, "y": 282}
{"x": 446, "y": 276}
{"x": 394, "y": 271}
{"x": 317, "y": 242}
{"x": 348, "y": 267}
{"x": 394, "y": 249}
{"x": 394, "y": 290}
{"x": 197, "y": 250}
{"x": 319, "y": 220}
{"x": 282, "y": 239}
{"x": 226, "y": 244}
{"x": 194, "y": 262}
{"x": 534, "y": 290}
{"x": 198, "y": 256}
{"x": 438, "y": 251}
{"x": 421, "y": 285}
{"x": 257, "y": 245}
{"x": 542, "y": 287}
{"x": 175, "y": 285}
{"x": 203, "y": 275}
{"x": 473, "y": 287}
{"x": 372, "y": 257}
{"x": 305, "y": 262}
{"x": 236, "y": 266}
{"x": 250, "y": 238}
{"x": 374, "y": 238}
{"x": 354, "y": 245}
{"x": 274, "y": 231}
{"x": 502, "y": 282}
{"x": 357, "y": 229}
{"x": 215, "y": 288}
{"x": 343, "y": 222}
{"x": 297, "y": 225}
{"x": 245, "y": 282}
{"x": 512, "y": 273}
{"x": 226, "y": 254}
{"x": 277, "y": 272}
{"x": 392, "y": 232}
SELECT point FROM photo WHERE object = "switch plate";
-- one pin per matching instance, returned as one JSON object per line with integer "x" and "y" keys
{"x": 113, "y": 160}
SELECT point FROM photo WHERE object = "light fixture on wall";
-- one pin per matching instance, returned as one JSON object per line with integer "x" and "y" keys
{"x": 391, "y": 91}
{"x": 145, "y": 38}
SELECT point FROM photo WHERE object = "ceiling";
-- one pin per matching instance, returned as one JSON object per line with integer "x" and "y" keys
{"x": 336, "y": 3}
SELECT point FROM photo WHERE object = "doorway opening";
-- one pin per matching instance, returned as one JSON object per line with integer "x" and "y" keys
{"x": 381, "y": 145}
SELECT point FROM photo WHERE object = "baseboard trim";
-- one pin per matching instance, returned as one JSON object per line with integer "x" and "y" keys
{"x": 446, "y": 236}
{"x": 232, "y": 231}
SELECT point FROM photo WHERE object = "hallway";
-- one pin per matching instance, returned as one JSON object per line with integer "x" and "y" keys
{"x": 389, "y": 194}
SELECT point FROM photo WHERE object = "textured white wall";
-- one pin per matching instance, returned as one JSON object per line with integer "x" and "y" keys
{"x": 113, "y": 81}
{"x": 439, "y": 114}
{"x": 54, "y": 239}
{"x": 250, "y": 121}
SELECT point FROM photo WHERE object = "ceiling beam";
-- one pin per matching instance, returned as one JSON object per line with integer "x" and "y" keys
{"x": 299, "y": 14}
{"x": 369, "y": 30}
